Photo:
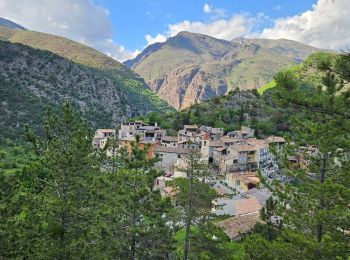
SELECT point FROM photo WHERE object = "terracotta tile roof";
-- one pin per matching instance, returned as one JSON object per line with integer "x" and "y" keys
{"x": 215, "y": 143}
{"x": 247, "y": 206}
{"x": 229, "y": 139}
{"x": 244, "y": 147}
{"x": 247, "y": 178}
{"x": 234, "y": 226}
{"x": 262, "y": 195}
{"x": 258, "y": 143}
{"x": 166, "y": 149}
{"x": 170, "y": 138}
{"x": 275, "y": 139}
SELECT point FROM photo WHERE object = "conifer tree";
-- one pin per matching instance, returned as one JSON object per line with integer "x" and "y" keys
{"x": 202, "y": 239}
{"x": 314, "y": 203}
{"x": 140, "y": 214}
{"x": 62, "y": 189}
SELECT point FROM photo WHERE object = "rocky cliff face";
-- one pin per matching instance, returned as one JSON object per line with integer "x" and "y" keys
{"x": 32, "y": 80}
{"x": 135, "y": 89}
{"x": 190, "y": 68}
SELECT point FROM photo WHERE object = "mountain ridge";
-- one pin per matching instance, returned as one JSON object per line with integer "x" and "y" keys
{"x": 32, "y": 80}
{"x": 138, "y": 93}
{"x": 9, "y": 24}
{"x": 189, "y": 68}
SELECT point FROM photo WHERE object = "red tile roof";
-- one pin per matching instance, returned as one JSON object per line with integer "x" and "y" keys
{"x": 247, "y": 206}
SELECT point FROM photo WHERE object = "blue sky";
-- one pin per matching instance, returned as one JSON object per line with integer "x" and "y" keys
{"x": 123, "y": 28}
{"x": 133, "y": 19}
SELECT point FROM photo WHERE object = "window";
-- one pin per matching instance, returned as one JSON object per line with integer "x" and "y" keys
{"x": 179, "y": 156}
{"x": 238, "y": 182}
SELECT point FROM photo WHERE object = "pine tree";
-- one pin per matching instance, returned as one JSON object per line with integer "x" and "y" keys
{"x": 314, "y": 204}
{"x": 140, "y": 214}
{"x": 62, "y": 188}
{"x": 202, "y": 239}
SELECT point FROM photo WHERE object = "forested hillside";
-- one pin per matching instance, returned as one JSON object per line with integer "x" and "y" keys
{"x": 136, "y": 91}
{"x": 31, "y": 80}
{"x": 254, "y": 108}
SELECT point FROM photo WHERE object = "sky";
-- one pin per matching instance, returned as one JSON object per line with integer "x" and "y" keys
{"x": 123, "y": 28}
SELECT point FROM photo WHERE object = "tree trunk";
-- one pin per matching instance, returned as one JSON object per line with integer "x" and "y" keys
{"x": 133, "y": 223}
{"x": 319, "y": 226}
{"x": 189, "y": 214}
{"x": 63, "y": 219}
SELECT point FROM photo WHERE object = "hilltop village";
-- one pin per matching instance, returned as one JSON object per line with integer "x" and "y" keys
{"x": 233, "y": 160}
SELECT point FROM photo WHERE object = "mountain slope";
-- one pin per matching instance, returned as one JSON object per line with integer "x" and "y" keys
{"x": 31, "y": 80}
{"x": 189, "y": 68}
{"x": 255, "y": 108}
{"x": 9, "y": 24}
{"x": 137, "y": 92}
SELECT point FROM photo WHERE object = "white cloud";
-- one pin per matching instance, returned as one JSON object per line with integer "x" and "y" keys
{"x": 325, "y": 26}
{"x": 227, "y": 29}
{"x": 159, "y": 38}
{"x": 236, "y": 26}
{"x": 206, "y": 8}
{"x": 79, "y": 20}
{"x": 215, "y": 13}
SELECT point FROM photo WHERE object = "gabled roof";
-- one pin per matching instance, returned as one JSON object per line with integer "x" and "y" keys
{"x": 244, "y": 147}
{"x": 234, "y": 226}
{"x": 215, "y": 143}
{"x": 229, "y": 139}
{"x": 247, "y": 206}
{"x": 170, "y": 138}
{"x": 275, "y": 139}
{"x": 262, "y": 195}
{"x": 258, "y": 143}
{"x": 166, "y": 149}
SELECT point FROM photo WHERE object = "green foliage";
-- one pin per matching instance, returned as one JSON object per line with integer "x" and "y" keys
{"x": 71, "y": 201}
{"x": 200, "y": 238}
{"x": 210, "y": 243}
{"x": 141, "y": 212}
{"x": 138, "y": 95}
{"x": 314, "y": 203}
{"x": 229, "y": 112}
{"x": 267, "y": 86}
{"x": 14, "y": 157}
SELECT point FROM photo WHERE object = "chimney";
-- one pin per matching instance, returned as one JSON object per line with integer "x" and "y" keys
{"x": 155, "y": 124}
